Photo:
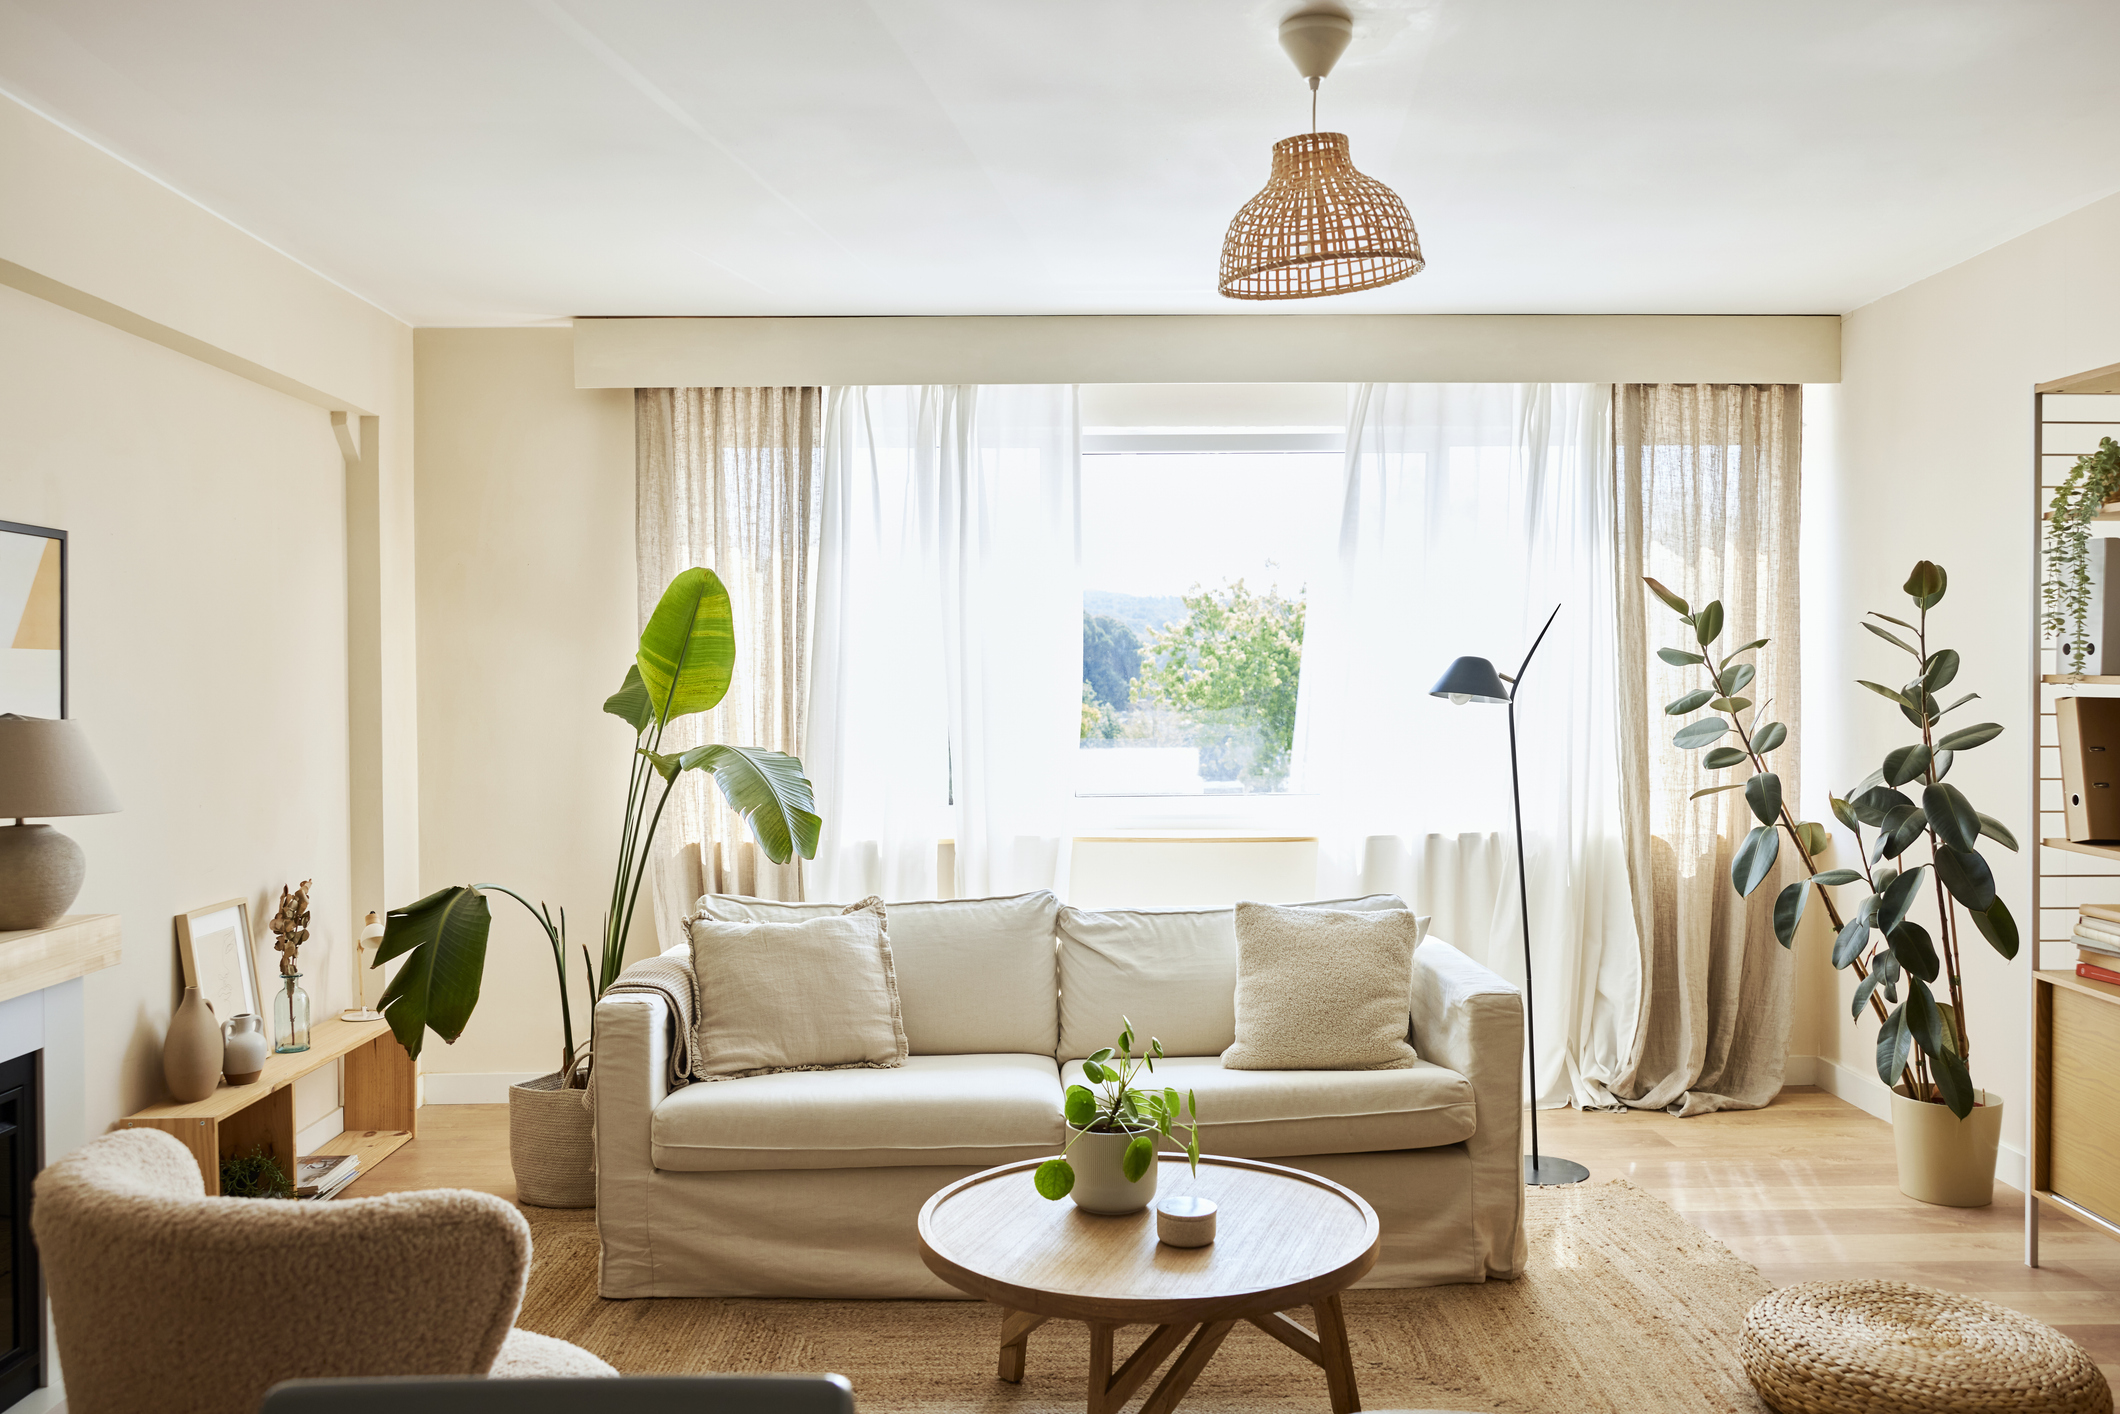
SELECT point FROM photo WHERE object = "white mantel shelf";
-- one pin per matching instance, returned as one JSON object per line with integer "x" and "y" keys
{"x": 35, "y": 958}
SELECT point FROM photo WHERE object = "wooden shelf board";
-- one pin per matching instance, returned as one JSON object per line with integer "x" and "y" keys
{"x": 32, "y": 959}
{"x": 2102, "y": 851}
{"x": 329, "y": 1040}
{"x": 2097, "y": 380}
{"x": 2068, "y": 981}
{"x": 2071, "y": 679}
{"x": 373, "y": 1145}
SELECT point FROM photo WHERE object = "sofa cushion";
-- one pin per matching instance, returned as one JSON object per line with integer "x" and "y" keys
{"x": 979, "y": 1110}
{"x": 1270, "y": 1114}
{"x": 1323, "y": 989}
{"x": 808, "y": 994}
{"x": 1173, "y": 971}
{"x": 975, "y": 976}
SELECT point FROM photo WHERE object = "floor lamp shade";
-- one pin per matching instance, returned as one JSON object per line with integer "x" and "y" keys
{"x": 46, "y": 769}
{"x": 1470, "y": 680}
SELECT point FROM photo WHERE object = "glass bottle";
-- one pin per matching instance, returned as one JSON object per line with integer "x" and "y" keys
{"x": 290, "y": 1014}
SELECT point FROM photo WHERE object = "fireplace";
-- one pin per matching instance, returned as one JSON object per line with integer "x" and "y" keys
{"x": 21, "y": 1155}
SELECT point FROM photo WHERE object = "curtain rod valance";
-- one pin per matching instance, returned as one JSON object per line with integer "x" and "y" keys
{"x": 1208, "y": 348}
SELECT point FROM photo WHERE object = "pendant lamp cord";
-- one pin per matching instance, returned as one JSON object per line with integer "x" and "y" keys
{"x": 1313, "y": 107}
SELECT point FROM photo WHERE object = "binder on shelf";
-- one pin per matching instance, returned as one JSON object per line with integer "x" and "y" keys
{"x": 2090, "y": 767}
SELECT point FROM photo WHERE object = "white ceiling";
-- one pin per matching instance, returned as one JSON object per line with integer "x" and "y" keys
{"x": 505, "y": 161}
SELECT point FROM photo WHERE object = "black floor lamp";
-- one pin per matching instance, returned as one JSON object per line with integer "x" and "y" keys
{"x": 1475, "y": 680}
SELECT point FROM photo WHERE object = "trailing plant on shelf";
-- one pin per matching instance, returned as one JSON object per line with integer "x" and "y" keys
{"x": 2066, "y": 594}
{"x": 686, "y": 656}
{"x": 1122, "y": 1107}
{"x": 1922, "y": 1043}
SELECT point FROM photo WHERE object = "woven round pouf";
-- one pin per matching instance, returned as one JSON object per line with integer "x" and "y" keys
{"x": 1884, "y": 1347}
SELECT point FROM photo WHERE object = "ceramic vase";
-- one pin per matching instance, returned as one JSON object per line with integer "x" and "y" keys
{"x": 1100, "y": 1183}
{"x": 1944, "y": 1159}
{"x": 243, "y": 1053}
{"x": 191, "y": 1053}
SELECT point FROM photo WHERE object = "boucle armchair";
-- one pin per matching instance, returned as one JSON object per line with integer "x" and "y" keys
{"x": 166, "y": 1299}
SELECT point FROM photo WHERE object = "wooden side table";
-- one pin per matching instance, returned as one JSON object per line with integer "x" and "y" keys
{"x": 382, "y": 1103}
{"x": 1285, "y": 1239}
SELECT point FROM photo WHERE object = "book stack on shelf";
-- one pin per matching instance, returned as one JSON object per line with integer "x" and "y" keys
{"x": 2097, "y": 940}
{"x": 321, "y": 1176}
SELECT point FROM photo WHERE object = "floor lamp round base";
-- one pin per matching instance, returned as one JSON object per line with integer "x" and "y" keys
{"x": 361, "y": 1013}
{"x": 1547, "y": 1171}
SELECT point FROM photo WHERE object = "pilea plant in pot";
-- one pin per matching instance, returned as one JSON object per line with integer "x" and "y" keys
{"x": 1910, "y": 977}
{"x": 1116, "y": 1127}
{"x": 686, "y": 656}
{"x": 2066, "y": 594}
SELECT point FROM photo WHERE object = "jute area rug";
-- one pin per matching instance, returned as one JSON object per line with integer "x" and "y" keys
{"x": 1626, "y": 1307}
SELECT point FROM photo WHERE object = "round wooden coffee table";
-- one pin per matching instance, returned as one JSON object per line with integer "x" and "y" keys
{"x": 1284, "y": 1239}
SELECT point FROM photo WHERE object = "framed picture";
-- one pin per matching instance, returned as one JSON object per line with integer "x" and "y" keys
{"x": 32, "y": 620}
{"x": 214, "y": 945}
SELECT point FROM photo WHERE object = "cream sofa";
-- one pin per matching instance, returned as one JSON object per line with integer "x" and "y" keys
{"x": 808, "y": 1184}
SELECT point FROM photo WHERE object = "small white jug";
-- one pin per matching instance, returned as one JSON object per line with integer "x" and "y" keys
{"x": 243, "y": 1055}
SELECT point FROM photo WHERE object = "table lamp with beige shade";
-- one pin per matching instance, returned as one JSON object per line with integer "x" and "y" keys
{"x": 47, "y": 769}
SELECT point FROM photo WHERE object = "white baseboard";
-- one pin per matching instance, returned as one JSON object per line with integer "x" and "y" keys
{"x": 1867, "y": 1093}
{"x": 462, "y": 1087}
{"x": 329, "y": 1127}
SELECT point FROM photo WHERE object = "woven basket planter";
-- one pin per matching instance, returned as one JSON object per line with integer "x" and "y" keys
{"x": 548, "y": 1144}
{"x": 1884, "y": 1347}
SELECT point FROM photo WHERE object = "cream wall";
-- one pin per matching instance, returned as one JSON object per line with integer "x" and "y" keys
{"x": 1933, "y": 461}
{"x": 211, "y": 623}
{"x": 526, "y": 625}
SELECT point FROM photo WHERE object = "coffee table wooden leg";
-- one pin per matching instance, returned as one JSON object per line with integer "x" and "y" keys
{"x": 1338, "y": 1359}
{"x": 1187, "y": 1368}
{"x": 1016, "y": 1328}
{"x": 1147, "y": 1357}
{"x": 1100, "y": 1368}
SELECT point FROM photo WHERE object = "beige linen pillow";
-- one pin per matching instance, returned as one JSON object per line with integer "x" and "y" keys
{"x": 1318, "y": 989}
{"x": 819, "y": 994}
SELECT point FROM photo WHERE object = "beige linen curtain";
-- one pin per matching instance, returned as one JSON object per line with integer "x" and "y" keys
{"x": 1708, "y": 483}
{"x": 726, "y": 479}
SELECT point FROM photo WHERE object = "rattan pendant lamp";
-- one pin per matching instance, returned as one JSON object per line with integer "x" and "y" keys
{"x": 1320, "y": 227}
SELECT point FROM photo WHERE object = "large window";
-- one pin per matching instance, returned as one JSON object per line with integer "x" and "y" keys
{"x": 1199, "y": 547}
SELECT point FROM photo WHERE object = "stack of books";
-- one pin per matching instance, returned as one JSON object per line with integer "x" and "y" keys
{"x": 2097, "y": 942}
{"x": 321, "y": 1176}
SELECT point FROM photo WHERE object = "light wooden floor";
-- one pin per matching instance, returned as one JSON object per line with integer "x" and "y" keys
{"x": 1804, "y": 1190}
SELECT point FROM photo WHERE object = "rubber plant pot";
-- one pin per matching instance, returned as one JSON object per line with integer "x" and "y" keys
{"x": 1943, "y": 1159}
{"x": 1100, "y": 1181}
{"x": 549, "y": 1143}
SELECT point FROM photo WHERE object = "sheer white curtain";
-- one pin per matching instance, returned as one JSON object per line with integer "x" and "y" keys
{"x": 1470, "y": 511}
{"x": 946, "y": 679}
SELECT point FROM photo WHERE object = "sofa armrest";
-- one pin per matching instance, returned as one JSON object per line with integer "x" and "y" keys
{"x": 1470, "y": 1020}
{"x": 631, "y": 1079}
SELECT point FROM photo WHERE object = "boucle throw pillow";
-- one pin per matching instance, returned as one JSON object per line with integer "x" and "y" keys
{"x": 1318, "y": 989}
{"x": 819, "y": 994}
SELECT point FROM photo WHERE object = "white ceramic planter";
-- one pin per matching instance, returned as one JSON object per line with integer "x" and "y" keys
{"x": 1944, "y": 1159}
{"x": 1100, "y": 1182}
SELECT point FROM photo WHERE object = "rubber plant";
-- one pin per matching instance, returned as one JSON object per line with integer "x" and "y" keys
{"x": 1922, "y": 1043}
{"x": 1121, "y": 1107}
{"x": 686, "y": 656}
{"x": 2066, "y": 594}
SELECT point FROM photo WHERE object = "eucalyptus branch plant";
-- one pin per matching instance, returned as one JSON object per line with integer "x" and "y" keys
{"x": 1122, "y": 1107}
{"x": 1922, "y": 1041}
{"x": 2066, "y": 593}
{"x": 686, "y": 656}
